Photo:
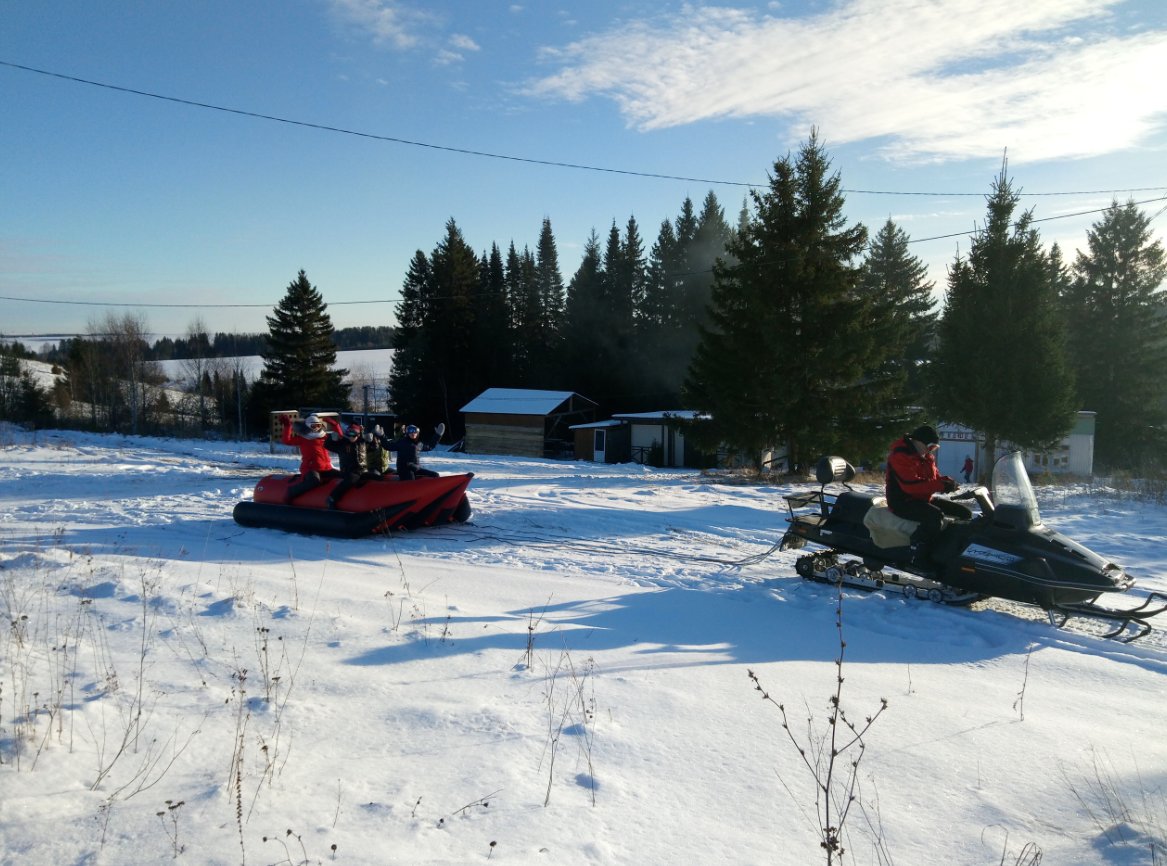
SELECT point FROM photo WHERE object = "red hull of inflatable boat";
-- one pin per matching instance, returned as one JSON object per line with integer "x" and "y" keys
{"x": 375, "y": 506}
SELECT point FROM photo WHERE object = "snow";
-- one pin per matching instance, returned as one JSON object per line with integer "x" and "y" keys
{"x": 563, "y": 680}
{"x": 371, "y": 364}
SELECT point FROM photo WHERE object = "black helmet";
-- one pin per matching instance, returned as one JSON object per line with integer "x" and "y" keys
{"x": 925, "y": 434}
{"x": 412, "y": 430}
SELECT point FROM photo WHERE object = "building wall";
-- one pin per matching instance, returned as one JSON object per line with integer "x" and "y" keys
{"x": 646, "y": 434}
{"x": 521, "y": 435}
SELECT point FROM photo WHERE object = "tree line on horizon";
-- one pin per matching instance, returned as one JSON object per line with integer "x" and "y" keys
{"x": 790, "y": 328}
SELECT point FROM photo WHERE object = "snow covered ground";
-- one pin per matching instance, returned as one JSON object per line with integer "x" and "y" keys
{"x": 372, "y": 365}
{"x": 564, "y": 680}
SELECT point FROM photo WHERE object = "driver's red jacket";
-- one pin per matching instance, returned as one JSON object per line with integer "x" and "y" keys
{"x": 911, "y": 475}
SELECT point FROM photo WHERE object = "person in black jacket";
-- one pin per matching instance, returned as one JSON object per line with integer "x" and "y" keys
{"x": 350, "y": 451}
{"x": 408, "y": 448}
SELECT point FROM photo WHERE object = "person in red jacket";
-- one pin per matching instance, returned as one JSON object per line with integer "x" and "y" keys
{"x": 315, "y": 464}
{"x": 913, "y": 479}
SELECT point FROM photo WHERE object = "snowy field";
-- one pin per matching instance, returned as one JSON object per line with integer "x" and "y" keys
{"x": 372, "y": 365}
{"x": 563, "y": 680}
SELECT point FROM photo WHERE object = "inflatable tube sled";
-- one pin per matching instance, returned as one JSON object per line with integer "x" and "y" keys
{"x": 375, "y": 506}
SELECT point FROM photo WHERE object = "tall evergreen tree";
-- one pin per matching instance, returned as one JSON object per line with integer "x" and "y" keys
{"x": 550, "y": 293}
{"x": 1116, "y": 311}
{"x": 778, "y": 363}
{"x": 583, "y": 323}
{"x": 493, "y": 333}
{"x": 451, "y": 326}
{"x": 678, "y": 280}
{"x": 901, "y": 322}
{"x": 525, "y": 316}
{"x": 1000, "y": 366}
{"x": 407, "y": 384}
{"x": 299, "y": 355}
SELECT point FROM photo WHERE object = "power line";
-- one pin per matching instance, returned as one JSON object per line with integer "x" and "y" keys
{"x": 960, "y": 234}
{"x": 180, "y": 306}
{"x": 509, "y": 157}
{"x": 1041, "y": 220}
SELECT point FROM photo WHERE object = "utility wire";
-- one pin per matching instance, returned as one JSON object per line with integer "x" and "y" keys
{"x": 438, "y": 298}
{"x": 182, "y": 306}
{"x": 508, "y": 157}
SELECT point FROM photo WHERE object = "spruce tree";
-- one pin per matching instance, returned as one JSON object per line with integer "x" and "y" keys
{"x": 550, "y": 294}
{"x": 901, "y": 324}
{"x": 492, "y": 331}
{"x": 673, "y": 305}
{"x": 1000, "y": 366}
{"x": 525, "y": 316}
{"x": 1116, "y": 311}
{"x": 450, "y": 325}
{"x": 299, "y": 354}
{"x": 410, "y": 349}
{"x": 584, "y": 313}
{"x": 778, "y": 363}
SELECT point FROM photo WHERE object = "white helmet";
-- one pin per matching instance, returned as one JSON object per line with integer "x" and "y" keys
{"x": 312, "y": 422}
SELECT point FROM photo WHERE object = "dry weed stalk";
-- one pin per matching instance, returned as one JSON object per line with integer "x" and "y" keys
{"x": 825, "y": 753}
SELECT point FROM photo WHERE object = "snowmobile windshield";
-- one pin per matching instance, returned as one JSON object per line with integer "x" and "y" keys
{"x": 1011, "y": 488}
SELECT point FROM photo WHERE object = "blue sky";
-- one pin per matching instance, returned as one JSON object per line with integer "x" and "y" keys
{"x": 116, "y": 198}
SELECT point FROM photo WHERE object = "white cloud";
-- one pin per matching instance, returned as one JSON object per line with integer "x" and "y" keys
{"x": 384, "y": 20}
{"x": 931, "y": 79}
{"x": 462, "y": 42}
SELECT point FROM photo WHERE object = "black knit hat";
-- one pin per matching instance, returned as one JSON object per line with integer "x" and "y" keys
{"x": 925, "y": 433}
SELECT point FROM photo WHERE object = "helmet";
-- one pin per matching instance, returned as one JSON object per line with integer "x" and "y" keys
{"x": 313, "y": 422}
{"x": 411, "y": 430}
{"x": 354, "y": 430}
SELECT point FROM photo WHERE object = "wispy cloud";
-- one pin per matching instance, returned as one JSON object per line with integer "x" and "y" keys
{"x": 386, "y": 21}
{"x": 928, "y": 79}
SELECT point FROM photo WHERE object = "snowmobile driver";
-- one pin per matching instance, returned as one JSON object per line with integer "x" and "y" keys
{"x": 913, "y": 479}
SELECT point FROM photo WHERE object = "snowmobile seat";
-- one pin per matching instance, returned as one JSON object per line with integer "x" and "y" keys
{"x": 847, "y": 513}
{"x": 887, "y": 529}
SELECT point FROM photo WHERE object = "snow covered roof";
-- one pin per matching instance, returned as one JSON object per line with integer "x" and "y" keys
{"x": 519, "y": 401}
{"x": 665, "y": 415}
{"x": 595, "y": 424}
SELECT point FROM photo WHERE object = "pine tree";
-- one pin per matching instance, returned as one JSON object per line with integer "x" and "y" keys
{"x": 583, "y": 323}
{"x": 525, "y": 316}
{"x": 673, "y": 309}
{"x": 299, "y": 355}
{"x": 1000, "y": 366}
{"x": 450, "y": 326}
{"x": 1116, "y": 311}
{"x": 493, "y": 331}
{"x": 410, "y": 349}
{"x": 901, "y": 323}
{"x": 777, "y": 364}
{"x": 550, "y": 293}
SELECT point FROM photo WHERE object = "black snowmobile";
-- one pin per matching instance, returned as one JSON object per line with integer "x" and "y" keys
{"x": 1005, "y": 551}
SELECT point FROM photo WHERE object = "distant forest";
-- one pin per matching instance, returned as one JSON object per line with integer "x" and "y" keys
{"x": 230, "y": 345}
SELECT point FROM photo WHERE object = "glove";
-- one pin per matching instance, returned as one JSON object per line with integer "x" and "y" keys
{"x": 949, "y": 484}
{"x": 377, "y": 431}
{"x": 440, "y": 429}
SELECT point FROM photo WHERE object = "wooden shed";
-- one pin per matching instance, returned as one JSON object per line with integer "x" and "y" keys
{"x": 525, "y": 423}
{"x": 603, "y": 441}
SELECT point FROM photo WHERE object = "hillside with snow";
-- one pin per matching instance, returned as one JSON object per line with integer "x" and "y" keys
{"x": 563, "y": 680}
